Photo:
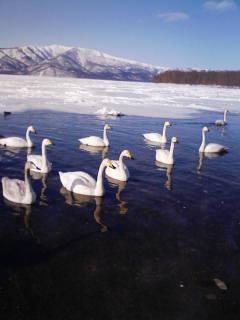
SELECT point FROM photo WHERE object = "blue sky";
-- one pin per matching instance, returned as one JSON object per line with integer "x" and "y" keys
{"x": 172, "y": 33}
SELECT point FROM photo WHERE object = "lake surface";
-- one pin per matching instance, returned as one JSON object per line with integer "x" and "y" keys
{"x": 150, "y": 249}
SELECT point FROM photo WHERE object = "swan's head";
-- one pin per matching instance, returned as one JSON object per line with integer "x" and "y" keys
{"x": 174, "y": 140}
{"x": 108, "y": 163}
{"x": 48, "y": 142}
{"x": 167, "y": 124}
{"x": 205, "y": 129}
{"x": 128, "y": 154}
{"x": 32, "y": 129}
{"x": 107, "y": 126}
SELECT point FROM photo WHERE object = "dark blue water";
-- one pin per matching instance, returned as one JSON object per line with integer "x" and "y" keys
{"x": 149, "y": 250}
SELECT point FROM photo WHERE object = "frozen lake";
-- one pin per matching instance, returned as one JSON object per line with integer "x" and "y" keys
{"x": 153, "y": 246}
{"x": 84, "y": 96}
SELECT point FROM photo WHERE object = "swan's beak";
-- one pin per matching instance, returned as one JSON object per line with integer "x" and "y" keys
{"x": 108, "y": 126}
{"x": 34, "y": 130}
{"x": 130, "y": 155}
{"x": 110, "y": 164}
{"x": 52, "y": 142}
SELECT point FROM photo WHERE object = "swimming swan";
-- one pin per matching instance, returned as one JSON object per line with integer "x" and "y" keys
{"x": 211, "y": 147}
{"x": 19, "y": 191}
{"x": 17, "y": 142}
{"x": 157, "y": 137}
{"x": 97, "y": 141}
{"x": 222, "y": 122}
{"x": 120, "y": 171}
{"x": 82, "y": 183}
{"x": 40, "y": 163}
{"x": 166, "y": 156}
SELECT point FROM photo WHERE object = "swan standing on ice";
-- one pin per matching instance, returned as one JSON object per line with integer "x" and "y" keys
{"x": 222, "y": 122}
{"x": 166, "y": 156}
{"x": 210, "y": 147}
{"x": 82, "y": 183}
{"x": 19, "y": 191}
{"x": 157, "y": 137}
{"x": 120, "y": 171}
{"x": 17, "y": 142}
{"x": 97, "y": 141}
{"x": 40, "y": 163}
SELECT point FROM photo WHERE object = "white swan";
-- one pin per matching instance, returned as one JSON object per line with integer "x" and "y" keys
{"x": 166, "y": 156}
{"x": 97, "y": 141}
{"x": 120, "y": 171}
{"x": 40, "y": 163}
{"x": 82, "y": 183}
{"x": 19, "y": 191}
{"x": 157, "y": 137}
{"x": 17, "y": 142}
{"x": 211, "y": 147}
{"x": 222, "y": 122}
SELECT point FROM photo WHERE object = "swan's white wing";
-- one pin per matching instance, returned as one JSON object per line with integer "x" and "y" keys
{"x": 74, "y": 181}
{"x": 153, "y": 136}
{"x": 13, "y": 189}
{"x": 36, "y": 161}
{"x": 162, "y": 155}
{"x": 14, "y": 142}
{"x": 93, "y": 141}
{"x": 220, "y": 123}
{"x": 215, "y": 148}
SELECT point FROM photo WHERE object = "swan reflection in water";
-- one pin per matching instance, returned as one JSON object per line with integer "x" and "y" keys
{"x": 11, "y": 150}
{"x": 44, "y": 178}
{"x": 123, "y": 209}
{"x": 81, "y": 200}
{"x": 169, "y": 169}
{"x": 19, "y": 209}
{"x": 94, "y": 150}
{"x": 209, "y": 156}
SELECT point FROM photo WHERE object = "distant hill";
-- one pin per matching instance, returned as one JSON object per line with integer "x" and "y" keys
{"x": 61, "y": 61}
{"x": 223, "y": 78}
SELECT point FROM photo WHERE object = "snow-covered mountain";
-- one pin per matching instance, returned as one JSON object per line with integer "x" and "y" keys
{"x": 61, "y": 61}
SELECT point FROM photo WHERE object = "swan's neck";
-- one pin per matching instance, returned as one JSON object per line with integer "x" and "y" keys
{"x": 225, "y": 116}
{"x": 202, "y": 147}
{"x": 121, "y": 164}
{"x": 28, "y": 186}
{"x": 164, "y": 135}
{"x": 171, "y": 150}
{"x": 44, "y": 156}
{"x": 29, "y": 141}
{"x": 99, "y": 189}
{"x": 105, "y": 138}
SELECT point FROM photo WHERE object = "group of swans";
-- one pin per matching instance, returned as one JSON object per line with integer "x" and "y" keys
{"x": 78, "y": 182}
{"x": 167, "y": 156}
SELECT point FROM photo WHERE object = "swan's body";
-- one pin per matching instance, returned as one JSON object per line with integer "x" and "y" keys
{"x": 157, "y": 137}
{"x": 211, "y": 147}
{"x": 120, "y": 171}
{"x": 40, "y": 163}
{"x": 17, "y": 142}
{"x": 166, "y": 156}
{"x": 19, "y": 191}
{"x": 222, "y": 122}
{"x": 82, "y": 183}
{"x": 97, "y": 141}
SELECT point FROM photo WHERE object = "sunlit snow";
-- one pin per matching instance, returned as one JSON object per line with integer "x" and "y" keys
{"x": 18, "y": 93}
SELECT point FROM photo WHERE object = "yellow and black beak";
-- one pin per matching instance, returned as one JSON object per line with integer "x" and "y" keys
{"x": 52, "y": 142}
{"x": 110, "y": 164}
{"x": 131, "y": 155}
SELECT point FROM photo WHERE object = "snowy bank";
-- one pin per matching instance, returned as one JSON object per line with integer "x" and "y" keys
{"x": 19, "y": 93}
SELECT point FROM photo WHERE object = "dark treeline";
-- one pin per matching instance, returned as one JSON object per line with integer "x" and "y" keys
{"x": 222, "y": 78}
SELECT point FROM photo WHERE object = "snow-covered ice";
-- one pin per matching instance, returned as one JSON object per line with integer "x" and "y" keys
{"x": 18, "y": 93}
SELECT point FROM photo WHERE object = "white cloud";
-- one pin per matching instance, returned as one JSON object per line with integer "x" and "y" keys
{"x": 173, "y": 16}
{"x": 220, "y": 5}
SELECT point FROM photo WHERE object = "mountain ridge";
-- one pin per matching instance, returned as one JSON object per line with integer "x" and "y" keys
{"x": 63, "y": 61}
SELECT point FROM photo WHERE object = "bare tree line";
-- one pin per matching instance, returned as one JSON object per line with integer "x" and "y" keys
{"x": 223, "y": 78}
